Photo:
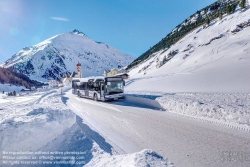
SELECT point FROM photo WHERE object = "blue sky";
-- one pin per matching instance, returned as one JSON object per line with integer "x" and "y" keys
{"x": 132, "y": 26}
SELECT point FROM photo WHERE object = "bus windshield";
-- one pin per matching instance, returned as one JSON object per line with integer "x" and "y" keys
{"x": 113, "y": 87}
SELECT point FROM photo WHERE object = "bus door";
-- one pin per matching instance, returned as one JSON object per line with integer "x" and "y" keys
{"x": 102, "y": 90}
{"x": 86, "y": 90}
{"x": 87, "y": 93}
{"x": 83, "y": 89}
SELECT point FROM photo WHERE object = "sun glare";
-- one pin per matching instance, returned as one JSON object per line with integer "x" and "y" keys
{"x": 11, "y": 14}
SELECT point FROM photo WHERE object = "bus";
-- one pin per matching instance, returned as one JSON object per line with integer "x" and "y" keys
{"x": 101, "y": 88}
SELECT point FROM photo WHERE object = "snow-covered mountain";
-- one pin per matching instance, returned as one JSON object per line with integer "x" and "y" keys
{"x": 58, "y": 56}
{"x": 211, "y": 58}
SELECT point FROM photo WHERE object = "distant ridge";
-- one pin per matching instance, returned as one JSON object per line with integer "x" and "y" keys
{"x": 8, "y": 76}
{"x": 201, "y": 17}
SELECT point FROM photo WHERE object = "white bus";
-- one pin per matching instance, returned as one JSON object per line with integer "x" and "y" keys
{"x": 101, "y": 88}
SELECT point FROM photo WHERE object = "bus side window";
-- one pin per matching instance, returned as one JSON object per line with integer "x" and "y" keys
{"x": 83, "y": 86}
{"x": 91, "y": 87}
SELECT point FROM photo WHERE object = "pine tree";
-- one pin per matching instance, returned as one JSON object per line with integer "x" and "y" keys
{"x": 208, "y": 21}
{"x": 243, "y": 3}
{"x": 228, "y": 9}
{"x": 220, "y": 15}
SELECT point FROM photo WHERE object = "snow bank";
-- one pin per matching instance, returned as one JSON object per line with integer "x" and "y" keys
{"x": 29, "y": 124}
{"x": 136, "y": 99}
{"x": 227, "y": 109}
{"x": 140, "y": 159}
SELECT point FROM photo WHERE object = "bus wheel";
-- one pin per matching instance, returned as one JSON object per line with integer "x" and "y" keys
{"x": 95, "y": 97}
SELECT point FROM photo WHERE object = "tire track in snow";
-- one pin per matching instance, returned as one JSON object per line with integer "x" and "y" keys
{"x": 39, "y": 100}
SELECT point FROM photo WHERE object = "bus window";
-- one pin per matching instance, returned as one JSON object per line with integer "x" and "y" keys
{"x": 97, "y": 86}
{"x": 82, "y": 86}
{"x": 90, "y": 86}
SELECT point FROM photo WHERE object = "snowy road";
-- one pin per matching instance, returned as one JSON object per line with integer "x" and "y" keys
{"x": 185, "y": 141}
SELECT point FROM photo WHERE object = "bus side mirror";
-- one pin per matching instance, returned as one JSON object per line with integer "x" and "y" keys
{"x": 123, "y": 83}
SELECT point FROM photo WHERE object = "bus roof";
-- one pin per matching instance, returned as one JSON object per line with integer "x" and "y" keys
{"x": 84, "y": 79}
{"x": 91, "y": 78}
{"x": 75, "y": 79}
{"x": 114, "y": 76}
{"x": 94, "y": 79}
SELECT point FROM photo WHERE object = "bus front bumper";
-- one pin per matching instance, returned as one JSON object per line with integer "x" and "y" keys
{"x": 114, "y": 97}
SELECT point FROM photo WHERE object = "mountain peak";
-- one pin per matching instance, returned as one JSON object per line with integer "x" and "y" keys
{"x": 75, "y": 31}
{"x": 58, "y": 56}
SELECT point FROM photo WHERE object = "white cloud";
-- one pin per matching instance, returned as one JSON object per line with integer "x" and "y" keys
{"x": 59, "y": 18}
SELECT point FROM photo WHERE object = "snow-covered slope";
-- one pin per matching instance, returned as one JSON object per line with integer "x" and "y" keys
{"x": 214, "y": 58}
{"x": 58, "y": 56}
